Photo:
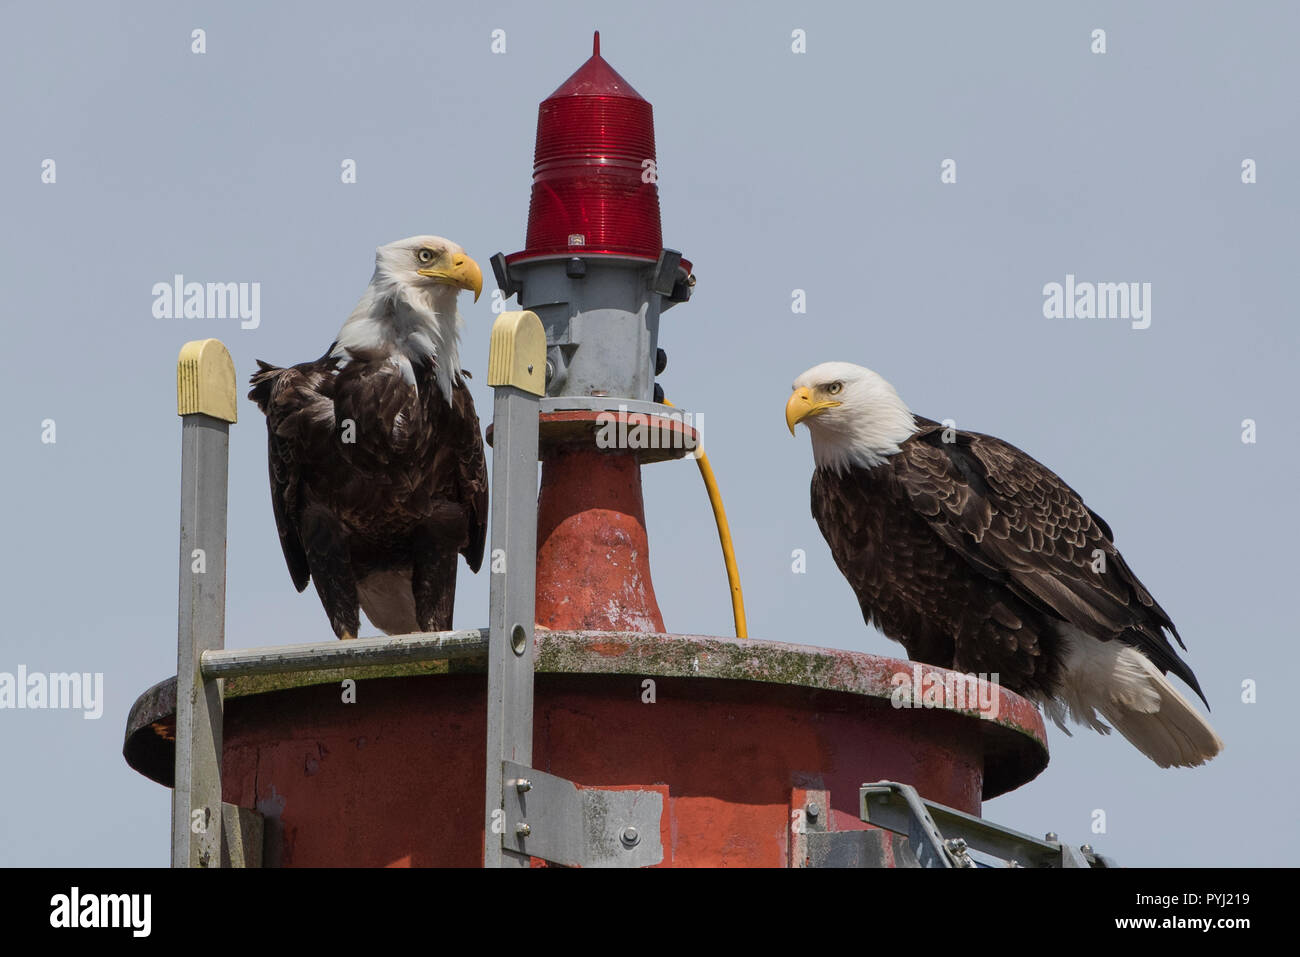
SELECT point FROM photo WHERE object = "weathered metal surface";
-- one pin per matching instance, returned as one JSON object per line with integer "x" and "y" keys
{"x": 593, "y": 565}
{"x": 806, "y": 666}
{"x": 723, "y": 729}
{"x": 1014, "y": 743}
{"x": 904, "y": 812}
{"x": 870, "y": 848}
{"x": 810, "y": 813}
{"x": 1072, "y": 857}
{"x": 604, "y": 403}
{"x": 511, "y": 599}
{"x": 549, "y": 818}
{"x": 654, "y": 431}
{"x": 244, "y": 830}
{"x": 196, "y": 831}
{"x": 820, "y": 837}
{"x": 335, "y": 654}
{"x": 593, "y": 555}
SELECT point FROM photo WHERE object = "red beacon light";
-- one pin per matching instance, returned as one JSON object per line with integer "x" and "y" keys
{"x": 594, "y": 189}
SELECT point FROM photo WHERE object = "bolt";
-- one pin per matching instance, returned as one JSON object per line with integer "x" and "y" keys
{"x": 957, "y": 848}
{"x": 630, "y": 837}
{"x": 523, "y": 784}
{"x": 1051, "y": 836}
{"x": 813, "y": 810}
{"x": 522, "y": 829}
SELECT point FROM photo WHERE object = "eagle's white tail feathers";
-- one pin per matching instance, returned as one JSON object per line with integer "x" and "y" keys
{"x": 1112, "y": 680}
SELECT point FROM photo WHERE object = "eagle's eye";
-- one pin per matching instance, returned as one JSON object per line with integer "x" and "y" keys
{"x": 426, "y": 255}
{"x": 835, "y": 388}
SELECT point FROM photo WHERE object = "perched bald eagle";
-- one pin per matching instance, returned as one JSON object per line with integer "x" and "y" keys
{"x": 978, "y": 558}
{"x": 377, "y": 471}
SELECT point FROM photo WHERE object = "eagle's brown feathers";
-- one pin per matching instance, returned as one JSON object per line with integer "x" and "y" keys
{"x": 370, "y": 474}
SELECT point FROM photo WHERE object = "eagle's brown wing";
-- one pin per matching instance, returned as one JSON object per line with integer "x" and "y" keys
{"x": 1015, "y": 521}
{"x": 458, "y": 466}
{"x": 298, "y": 404}
{"x": 472, "y": 477}
{"x": 373, "y": 472}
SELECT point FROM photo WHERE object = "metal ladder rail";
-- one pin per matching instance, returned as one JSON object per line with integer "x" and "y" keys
{"x": 529, "y": 813}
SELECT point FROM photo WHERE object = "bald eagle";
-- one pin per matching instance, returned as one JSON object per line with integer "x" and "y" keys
{"x": 978, "y": 558}
{"x": 377, "y": 470}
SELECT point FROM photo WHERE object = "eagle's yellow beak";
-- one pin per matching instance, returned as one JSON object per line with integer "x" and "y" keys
{"x": 802, "y": 406}
{"x": 464, "y": 273}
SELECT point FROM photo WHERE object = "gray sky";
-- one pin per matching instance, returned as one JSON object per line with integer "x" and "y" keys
{"x": 778, "y": 171}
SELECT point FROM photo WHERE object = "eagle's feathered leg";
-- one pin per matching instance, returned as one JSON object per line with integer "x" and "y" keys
{"x": 331, "y": 570}
{"x": 433, "y": 584}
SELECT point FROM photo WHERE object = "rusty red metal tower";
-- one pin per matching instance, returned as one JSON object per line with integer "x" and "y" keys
{"x": 624, "y": 744}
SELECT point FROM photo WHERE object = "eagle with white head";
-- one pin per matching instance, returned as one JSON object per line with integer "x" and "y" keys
{"x": 378, "y": 478}
{"x": 978, "y": 558}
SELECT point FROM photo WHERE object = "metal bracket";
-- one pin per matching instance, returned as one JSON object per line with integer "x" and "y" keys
{"x": 245, "y": 836}
{"x": 665, "y": 274}
{"x": 942, "y": 836}
{"x": 549, "y": 817}
{"x": 897, "y": 807}
{"x": 870, "y": 848}
{"x": 505, "y": 282}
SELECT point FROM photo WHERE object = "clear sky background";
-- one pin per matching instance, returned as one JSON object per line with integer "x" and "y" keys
{"x": 778, "y": 171}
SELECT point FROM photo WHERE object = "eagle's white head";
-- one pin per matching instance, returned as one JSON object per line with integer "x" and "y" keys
{"x": 854, "y": 416}
{"x": 409, "y": 308}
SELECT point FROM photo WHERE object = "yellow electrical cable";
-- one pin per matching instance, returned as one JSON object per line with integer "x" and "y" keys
{"x": 724, "y": 537}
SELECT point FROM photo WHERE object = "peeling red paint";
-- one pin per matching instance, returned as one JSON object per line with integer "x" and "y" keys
{"x": 593, "y": 568}
{"x": 735, "y": 728}
{"x": 729, "y": 757}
